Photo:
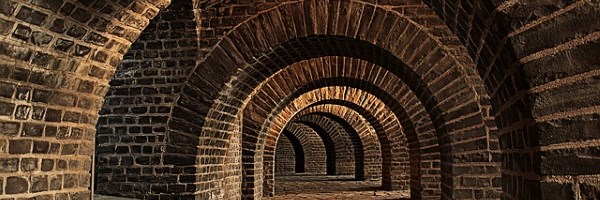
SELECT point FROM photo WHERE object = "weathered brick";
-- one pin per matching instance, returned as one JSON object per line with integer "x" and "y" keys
{"x": 81, "y": 15}
{"x": 9, "y": 128}
{"x": 589, "y": 190}
{"x": 6, "y": 108}
{"x": 39, "y": 183}
{"x": 81, "y": 51}
{"x": 22, "y": 112}
{"x": 6, "y": 26}
{"x": 32, "y": 130}
{"x": 9, "y": 165}
{"x": 56, "y": 182}
{"x": 40, "y": 38}
{"x": 47, "y": 165}
{"x": 552, "y": 190}
{"x": 16, "y": 185}
{"x": 53, "y": 5}
{"x": 29, "y": 164}
{"x": 32, "y": 16}
{"x": 21, "y": 146}
{"x": 7, "y": 7}
{"x": 58, "y": 26}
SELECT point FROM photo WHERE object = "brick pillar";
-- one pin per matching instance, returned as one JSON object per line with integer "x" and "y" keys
{"x": 55, "y": 61}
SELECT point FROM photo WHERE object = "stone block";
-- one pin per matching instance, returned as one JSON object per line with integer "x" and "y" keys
{"x": 558, "y": 191}
{"x": 32, "y": 16}
{"x": 22, "y": 112}
{"x": 22, "y": 32}
{"x": 47, "y": 165}
{"x": 40, "y": 38}
{"x": 16, "y": 185}
{"x": 19, "y": 146}
{"x": 590, "y": 189}
{"x": 6, "y": 109}
{"x": 58, "y": 26}
{"x": 39, "y": 184}
{"x": 70, "y": 180}
{"x": 41, "y": 147}
{"x": 52, "y": 5}
{"x": 7, "y": 7}
{"x": 81, "y": 15}
{"x": 32, "y": 130}
{"x": 9, "y": 165}
{"x": 9, "y": 128}
{"x": 76, "y": 31}
{"x": 29, "y": 164}
{"x": 56, "y": 182}
{"x": 6, "y": 89}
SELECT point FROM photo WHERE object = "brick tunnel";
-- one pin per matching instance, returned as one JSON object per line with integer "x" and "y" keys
{"x": 299, "y": 99}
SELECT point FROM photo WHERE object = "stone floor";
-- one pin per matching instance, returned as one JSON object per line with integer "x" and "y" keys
{"x": 321, "y": 187}
{"x": 331, "y": 187}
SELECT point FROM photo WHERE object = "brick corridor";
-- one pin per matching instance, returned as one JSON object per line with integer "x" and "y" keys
{"x": 212, "y": 99}
{"x": 331, "y": 187}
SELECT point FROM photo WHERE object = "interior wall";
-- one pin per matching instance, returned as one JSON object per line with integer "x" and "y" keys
{"x": 285, "y": 157}
{"x": 132, "y": 127}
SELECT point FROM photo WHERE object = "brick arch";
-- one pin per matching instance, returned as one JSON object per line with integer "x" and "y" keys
{"x": 315, "y": 155}
{"x": 524, "y": 53}
{"x": 513, "y": 43}
{"x": 56, "y": 58}
{"x": 233, "y": 53}
{"x": 355, "y": 124}
{"x": 292, "y": 79}
{"x": 392, "y": 98}
{"x": 395, "y": 163}
{"x": 329, "y": 144}
{"x": 298, "y": 154}
{"x": 133, "y": 120}
{"x": 346, "y": 158}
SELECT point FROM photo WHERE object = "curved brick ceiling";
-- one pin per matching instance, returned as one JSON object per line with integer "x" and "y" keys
{"x": 239, "y": 36}
{"x": 298, "y": 73}
{"x": 172, "y": 122}
{"x": 393, "y": 143}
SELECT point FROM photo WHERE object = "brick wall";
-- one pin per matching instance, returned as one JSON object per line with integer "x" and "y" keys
{"x": 56, "y": 58}
{"x": 315, "y": 155}
{"x": 132, "y": 128}
{"x": 535, "y": 59}
{"x": 387, "y": 122}
{"x": 357, "y": 126}
{"x": 453, "y": 76}
{"x": 285, "y": 157}
{"x": 340, "y": 140}
{"x": 483, "y": 90}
